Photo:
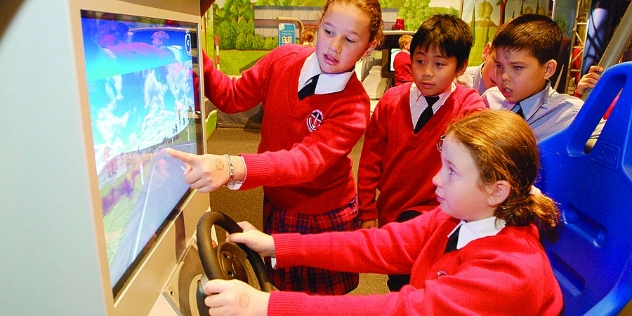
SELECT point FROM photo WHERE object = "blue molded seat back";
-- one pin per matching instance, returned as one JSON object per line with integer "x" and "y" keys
{"x": 592, "y": 259}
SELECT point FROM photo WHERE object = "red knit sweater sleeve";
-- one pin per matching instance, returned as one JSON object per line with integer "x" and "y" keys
{"x": 371, "y": 158}
{"x": 470, "y": 99}
{"x": 392, "y": 249}
{"x": 232, "y": 95}
{"x": 499, "y": 275}
{"x": 308, "y": 162}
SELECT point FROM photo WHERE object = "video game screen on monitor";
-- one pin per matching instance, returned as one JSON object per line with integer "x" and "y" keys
{"x": 392, "y": 53}
{"x": 140, "y": 76}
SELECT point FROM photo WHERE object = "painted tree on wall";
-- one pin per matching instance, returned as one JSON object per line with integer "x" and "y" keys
{"x": 235, "y": 26}
{"x": 414, "y": 12}
{"x": 231, "y": 19}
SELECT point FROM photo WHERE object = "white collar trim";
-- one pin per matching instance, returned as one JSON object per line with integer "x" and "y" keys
{"x": 471, "y": 231}
{"x": 327, "y": 83}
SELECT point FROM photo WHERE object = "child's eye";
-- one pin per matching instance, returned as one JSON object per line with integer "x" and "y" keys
{"x": 499, "y": 66}
{"x": 451, "y": 171}
{"x": 350, "y": 40}
{"x": 439, "y": 64}
{"x": 517, "y": 67}
{"x": 328, "y": 32}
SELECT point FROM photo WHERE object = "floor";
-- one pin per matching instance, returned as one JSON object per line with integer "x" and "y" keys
{"x": 247, "y": 205}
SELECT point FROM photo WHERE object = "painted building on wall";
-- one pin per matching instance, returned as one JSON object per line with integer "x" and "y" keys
{"x": 266, "y": 23}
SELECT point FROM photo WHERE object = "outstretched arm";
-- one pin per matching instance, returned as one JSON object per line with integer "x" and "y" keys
{"x": 207, "y": 172}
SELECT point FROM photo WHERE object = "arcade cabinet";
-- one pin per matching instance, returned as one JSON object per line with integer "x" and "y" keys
{"x": 97, "y": 219}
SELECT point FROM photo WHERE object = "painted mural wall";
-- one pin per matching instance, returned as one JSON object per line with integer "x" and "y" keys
{"x": 243, "y": 31}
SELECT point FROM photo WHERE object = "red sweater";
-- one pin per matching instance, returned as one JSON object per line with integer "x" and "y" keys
{"x": 399, "y": 163}
{"x": 303, "y": 158}
{"x": 505, "y": 274}
{"x": 403, "y": 68}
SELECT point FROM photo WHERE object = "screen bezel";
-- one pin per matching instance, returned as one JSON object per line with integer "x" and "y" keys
{"x": 147, "y": 282}
{"x": 124, "y": 270}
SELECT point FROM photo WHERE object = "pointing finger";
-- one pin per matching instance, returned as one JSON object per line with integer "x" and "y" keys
{"x": 182, "y": 156}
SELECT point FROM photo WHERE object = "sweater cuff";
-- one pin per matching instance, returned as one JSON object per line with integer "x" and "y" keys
{"x": 287, "y": 246}
{"x": 258, "y": 171}
{"x": 286, "y": 303}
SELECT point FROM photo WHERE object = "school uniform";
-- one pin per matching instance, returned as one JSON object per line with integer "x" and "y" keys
{"x": 303, "y": 158}
{"x": 403, "y": 68}
{"x": 496, "y": 269}
{"x": 547, "y": 111}
{"x": 398, "y": 162}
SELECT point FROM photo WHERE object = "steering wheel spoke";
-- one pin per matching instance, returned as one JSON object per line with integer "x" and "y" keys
{"x": 229, "y": 260}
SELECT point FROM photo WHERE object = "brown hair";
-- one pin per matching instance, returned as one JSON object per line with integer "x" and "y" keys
{"x": 535, "y": 33}
{"x": 370, "y": 7}
{"x": 503, "y": 147}
{"x": 308, "y": 37}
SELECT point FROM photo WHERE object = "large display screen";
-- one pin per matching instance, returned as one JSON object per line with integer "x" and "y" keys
{"x": 140, "y": 75}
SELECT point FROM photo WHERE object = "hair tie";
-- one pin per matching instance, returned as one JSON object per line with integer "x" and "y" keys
{"x": 535, "y": 190}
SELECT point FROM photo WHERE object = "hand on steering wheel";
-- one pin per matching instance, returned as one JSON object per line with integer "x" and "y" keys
{"x": 228, "y": 260}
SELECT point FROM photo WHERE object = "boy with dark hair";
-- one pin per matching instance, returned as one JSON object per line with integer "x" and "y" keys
{"x": 524, "y": 51}
{"x": 399, "y": 143}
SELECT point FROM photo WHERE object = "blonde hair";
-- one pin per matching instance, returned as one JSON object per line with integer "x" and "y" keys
{"x": 370, "y": 7}
{"x": 503, "y": 147}
{"x": 404, "y": 40}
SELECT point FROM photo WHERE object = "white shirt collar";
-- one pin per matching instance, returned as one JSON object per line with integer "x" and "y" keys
{"x": 471, "y": 231}
{"x": 415, "y": 94}
{"x": 418, "y": 104}
{"x": 327, "y": 83}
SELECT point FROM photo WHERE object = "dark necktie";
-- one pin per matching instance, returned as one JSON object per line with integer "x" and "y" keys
{"x": 452, "y": 241}
{"x": 426, "y": 114}
{"x": 518, "y": 110}
{"x": 309, "y": 88}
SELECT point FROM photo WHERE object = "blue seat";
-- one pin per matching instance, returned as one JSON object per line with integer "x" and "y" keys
{"x": 592, "y": 259}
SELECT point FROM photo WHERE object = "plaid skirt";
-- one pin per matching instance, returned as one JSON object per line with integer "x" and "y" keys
{"x": 308, "y": 279}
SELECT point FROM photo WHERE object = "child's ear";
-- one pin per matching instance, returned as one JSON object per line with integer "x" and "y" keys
{"x": 549, "y": 68}
{"x": 486, "y": 51}
{"x": 461, "y": 70}
{"x": 498, "y": 193}
{"x": 369, "y": 49}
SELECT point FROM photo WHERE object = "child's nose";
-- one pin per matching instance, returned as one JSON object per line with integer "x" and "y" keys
{"x": 501, "y": 75}
{"x": 335, "y": 45}
{"x": 435, "y": 180}
{"x": 427, "y": 71}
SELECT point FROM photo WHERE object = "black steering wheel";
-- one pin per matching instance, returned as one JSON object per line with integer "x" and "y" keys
{"x": 228, "y": 260}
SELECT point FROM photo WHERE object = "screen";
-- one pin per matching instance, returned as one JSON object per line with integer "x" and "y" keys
{"x": 140, "y": 75}
{"x": 392, "y": 53}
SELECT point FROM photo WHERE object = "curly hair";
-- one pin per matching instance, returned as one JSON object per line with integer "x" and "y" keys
{"x": 503, "y": 147}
